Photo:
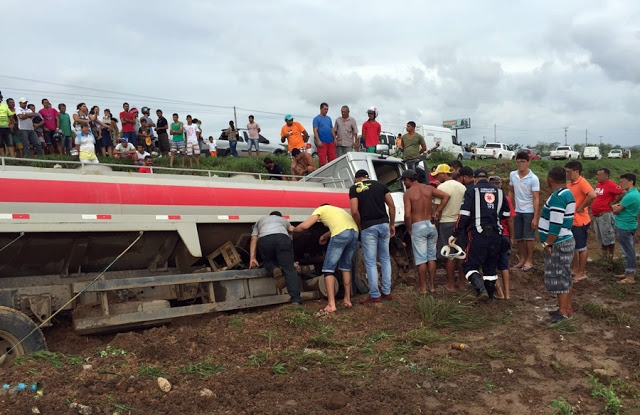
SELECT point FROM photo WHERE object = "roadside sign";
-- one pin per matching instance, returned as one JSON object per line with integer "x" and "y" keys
{"x": 457, "y": 124}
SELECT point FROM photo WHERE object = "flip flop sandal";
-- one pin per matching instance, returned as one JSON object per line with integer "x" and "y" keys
{"x": 516, "y": 267}
{"x": 526, "y": 268}
{"x": 626, "y": 281}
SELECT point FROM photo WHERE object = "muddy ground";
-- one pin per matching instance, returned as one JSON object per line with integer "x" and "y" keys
{"x": 390, "y": 358}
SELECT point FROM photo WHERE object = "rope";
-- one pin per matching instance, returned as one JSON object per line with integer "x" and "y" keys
{"x": 3, "y": 357}
{"x": 9, "y": 244}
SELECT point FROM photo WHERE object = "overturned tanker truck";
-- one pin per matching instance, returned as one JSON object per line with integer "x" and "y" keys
{"x": 172, "y": 245}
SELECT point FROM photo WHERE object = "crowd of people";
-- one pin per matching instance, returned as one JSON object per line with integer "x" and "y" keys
{"x": 470, "y": 222}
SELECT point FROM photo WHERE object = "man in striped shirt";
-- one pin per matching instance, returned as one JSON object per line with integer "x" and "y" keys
{"x": 554, "y": 230}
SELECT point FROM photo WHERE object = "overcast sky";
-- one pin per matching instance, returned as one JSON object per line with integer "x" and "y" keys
{"x": 531, "y": 67}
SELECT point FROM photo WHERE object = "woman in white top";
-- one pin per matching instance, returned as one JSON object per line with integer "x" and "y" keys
{"x": 80, "y": 117}
{"x": 86, "y": 145}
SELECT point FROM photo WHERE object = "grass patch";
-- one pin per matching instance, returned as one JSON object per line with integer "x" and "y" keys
{"x": 561, "y": 406}
{"x": 612, "y": 401}
{"x": 565, "y": 326}
{"x": 312, "y": 357}
{"x": 235, "y": 322}
{"x": 445, "y": 368}
{"x": 56, "y": 359}
{"x": 499, "y": 354}
{"x": 299, "y": 318}
{"x": 150, "y": 371}
{"x": 376, "y": 336}
{"x": 279, "y": 368}
{"x": 204, "y": 368}
{"x": 111, "y": 351}
{"x": 259, "y": 358}
{"x": 422, "y": 336}
{"x": 453, "y": 312}
{"x": 358, "y": 369}
{"x": 123, "y": 407}
{"x": 610, "y": 315}
{"x": 396, "y": 353}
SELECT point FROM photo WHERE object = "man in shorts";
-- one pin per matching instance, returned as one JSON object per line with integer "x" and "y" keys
{"x": 6, "y": 123}
{"x": 419, "y": 220}
{"x": 343, "y": 243}
{"x": 584, "y": 195}
{"x": 162, "y": 128}
{"x": 558, "y": 243}
{"x": 447, "y": 222}
{"x": 253, "y": 129}
{"x": 608, "y": 193}
{"x": 504, "y": 286}
{"x": 302, "y": 163}
{"x": 193, "y": 150}
{"x": 525, "y": 193}
{"x": 51, "y": 125}
{"x": 177, "y": 139}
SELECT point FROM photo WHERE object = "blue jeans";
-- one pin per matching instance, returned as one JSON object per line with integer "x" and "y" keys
{"x": 232, "y": 147}
{"x": 25, "y": 137}
{"x": 375, "y": 241}
{"x": 625, "y": 238}
{"x": 340, "y": 252}
{"x": 131, "y": 137}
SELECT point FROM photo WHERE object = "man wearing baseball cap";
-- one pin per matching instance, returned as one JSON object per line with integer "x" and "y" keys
{"x": 26, "y": 132}
{"x": 482, "y": 209}
{"x": 293, "y": 133}
{"x": 369, "y": 200}
{"x": 447, "y": 222}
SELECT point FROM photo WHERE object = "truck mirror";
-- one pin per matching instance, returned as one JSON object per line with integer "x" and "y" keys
{"x": 382, "y": 149}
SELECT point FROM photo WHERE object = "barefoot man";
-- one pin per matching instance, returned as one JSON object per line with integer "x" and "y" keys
{"x": 417, "y": 218}
{"x": 343, "y": 243}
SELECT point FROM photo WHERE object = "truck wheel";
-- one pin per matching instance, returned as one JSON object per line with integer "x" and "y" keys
{"x": 14, "y": 326}
{"x": 460, "y": 157}
{"x": 359, "y": 276}
{"x": 499, "y": 156}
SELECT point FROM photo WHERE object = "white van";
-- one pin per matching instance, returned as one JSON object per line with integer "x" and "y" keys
{"x": 440, "y": 137}
{"x": 591, "y": 153}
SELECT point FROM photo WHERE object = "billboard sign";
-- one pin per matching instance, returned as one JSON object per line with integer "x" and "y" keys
{"x": 458, "y": 124}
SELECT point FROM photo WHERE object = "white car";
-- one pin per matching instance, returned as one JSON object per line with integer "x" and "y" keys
{"x": 616, "y": 153}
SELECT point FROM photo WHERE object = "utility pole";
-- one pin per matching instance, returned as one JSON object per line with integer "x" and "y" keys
{"x": 235, "y": 116}
{"x": 600, "y": 140}
{"x": 565, "y": 136}
{"x": 494, "y": 133}
{"x": 586, "y": 136}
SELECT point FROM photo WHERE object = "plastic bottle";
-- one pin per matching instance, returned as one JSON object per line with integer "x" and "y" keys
{"x": 459, "y": 346}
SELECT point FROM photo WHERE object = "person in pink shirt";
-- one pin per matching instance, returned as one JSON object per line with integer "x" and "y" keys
{"x": 51, "y": 125}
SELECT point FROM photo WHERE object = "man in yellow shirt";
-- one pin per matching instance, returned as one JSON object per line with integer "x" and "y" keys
{"x": 6, "y": 123}
{"x": 293, "y": 133}
{"x": 343, "y": 243}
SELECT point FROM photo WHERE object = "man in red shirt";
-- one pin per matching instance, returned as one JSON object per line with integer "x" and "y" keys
{"x": 371, "y": 130}
{"x": 608, "y": 193}
{"x": 128, "y": 120}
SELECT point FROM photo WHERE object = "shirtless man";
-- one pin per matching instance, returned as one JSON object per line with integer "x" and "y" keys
{"x": 417, "y": 218}
{"x": 302, "y": 163}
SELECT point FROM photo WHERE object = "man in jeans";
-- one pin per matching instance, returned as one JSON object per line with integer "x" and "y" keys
{"x": 368, "y": 200}
{"x": 626, "y": 217}
{"x": 525, "y": 193}
{"x": 254, "y": 136}
{"x": 271, "y": 237}
{"x": 25, "y": 129}
{"x": 584, "y": 195}
{"x": 343, "y": 243}
{"x": 608, "y": 193}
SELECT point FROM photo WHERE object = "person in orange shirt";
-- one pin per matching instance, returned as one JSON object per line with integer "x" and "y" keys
{"x": 293, "y": 133}
{"x": 584, "y": 195}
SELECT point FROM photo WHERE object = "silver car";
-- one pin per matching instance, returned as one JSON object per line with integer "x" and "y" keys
{"x": 243, "y": 145}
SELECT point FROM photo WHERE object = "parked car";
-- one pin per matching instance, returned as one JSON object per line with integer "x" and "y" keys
{"x": 243, "y": 144}
{"x": 496, "y": 151}
{"x": 615, "y": 153}
{"x": 533, "y": 154}
{"x": 591, "y": 153}
{"x": 564, "y": 153}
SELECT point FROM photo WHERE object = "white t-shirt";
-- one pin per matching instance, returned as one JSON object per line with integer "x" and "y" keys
{"x": 142, "y": 155}
{"x": 27, "y": 123}
{"x": 212, "y": 145}
{"x": 127, "y": 147}
{"x": 192, "y": 133}
{"x": 456, "y": 192}
{"x": 253, "y": 130}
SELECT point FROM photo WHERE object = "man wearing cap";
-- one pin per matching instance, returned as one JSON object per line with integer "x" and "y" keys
{"x": 324, "y": 135}
{"x": 369, "y": 200}
{"x": 482, "y": 209}
{"x": 346, "y": 130}
{"x": 6, "y": 123}
{"x": 447, "y": 222}
{"x": 124, "y": 150}
{"x": 413, "y": 145}
{"x": 418, "y": 220}
{"x": 302, "y": 163}
{"x": 26, "y": 132}
{"x": 270, "y": 236}
{"x": 146, "y": 111}
{"x": 371, "y": 130}
{"x": 293, "y": 133}
{"x": 507, "y": 241}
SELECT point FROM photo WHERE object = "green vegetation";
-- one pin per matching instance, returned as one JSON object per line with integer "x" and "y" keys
{"x": 299, "y": 317}
{"x": 151, "y": 371}
{"x": 111, "y": 351}
{"x": 561, "y": 406}
{"x": 445, "y": 367}
{"x": 422, "y": 336}
{"x": 204, "y": 368}
{"x": 598, "y": 390}
{"x": 601, "y": 312}
{"x": 450, "y": 312}
{"x": 56, "y": 359}
{"x": 235, "y": 322}
{"x": 279, "y": 368}
{"x": 566, "y": 326}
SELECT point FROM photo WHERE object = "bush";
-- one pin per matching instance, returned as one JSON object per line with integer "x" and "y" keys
{"x": 441, "y": 156}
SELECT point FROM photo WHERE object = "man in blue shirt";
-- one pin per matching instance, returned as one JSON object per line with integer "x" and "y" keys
{"x": 325, "y": 136}
{"x": 626, "y": 217}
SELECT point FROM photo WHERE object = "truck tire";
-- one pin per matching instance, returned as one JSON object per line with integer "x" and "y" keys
{"x": 499, "y": 156}
{"x": 14, "y": 326}
{"x": 460, "y": 157}
{"x": 359, "y": 276}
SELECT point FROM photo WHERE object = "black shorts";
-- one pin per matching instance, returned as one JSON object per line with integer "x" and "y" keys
{"x": 6, "y": 138}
